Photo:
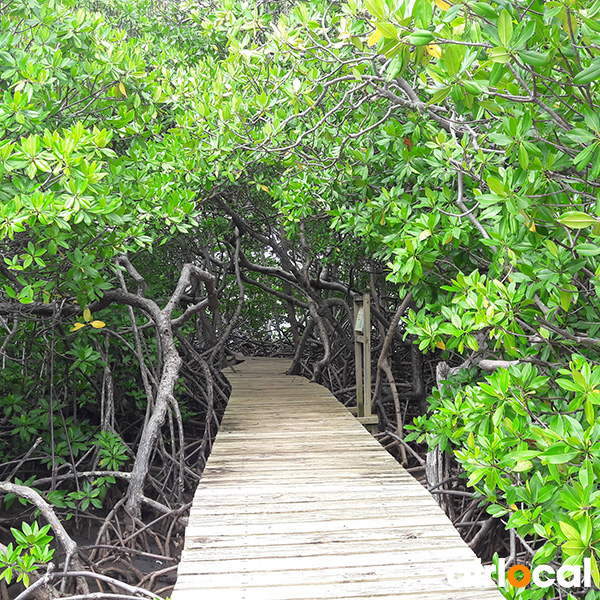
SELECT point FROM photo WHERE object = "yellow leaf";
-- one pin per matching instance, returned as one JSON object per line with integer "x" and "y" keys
{"x": 98, "y": 324}
{"x": 77, "y": 326}
{"x": 440, "y": 345}
{"x": 375, "y": 37}
{"x": 442, "y": 5}
{"x": 264, "y": 188}
{"x": 87, "y": 315}
{"x": 434, "y": 50}
{"x": 122, "y": 89}
{"x": 514, "y": 507}
{"x": 532, "y": 227}
{"x": 382, "y": 219}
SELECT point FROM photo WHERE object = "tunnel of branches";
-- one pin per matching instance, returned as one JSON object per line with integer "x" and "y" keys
{"x": 81, "y": 395}
{"x": 186, "y": 184}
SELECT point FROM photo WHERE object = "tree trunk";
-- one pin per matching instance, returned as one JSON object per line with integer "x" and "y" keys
{"x": 437, "y": 464}
{"x": 170, "y": 374}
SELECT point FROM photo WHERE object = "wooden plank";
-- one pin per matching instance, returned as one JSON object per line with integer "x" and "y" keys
{"x": 258, "y": 451}
{"x": 215, "y": 490}
{"x": 373, "y": 420}
{"x": 433, "y": 535}
{"x": 397, "y": 561}
{"x": 216, "y": 549}
{"x": 291, "y": 527}
{"x": 284, "y": 502}
{"x": 362, "y": 467}
{"x": 430, "y": 575}
{"x": 306, "y": 477}
{"x": 299, "y": 502}
{"x": 317, "y": 515}
{"x": 400, "y": 587}
{"x": 396, "y": 594}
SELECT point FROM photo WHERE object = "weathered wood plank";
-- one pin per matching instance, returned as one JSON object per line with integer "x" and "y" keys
{"x": 299, "y": 502}
{"x": 400, "y": 587}
{"x": 267, "y": 504}
{"x": 429, "y": 537}
{"x": 289, "y": 527}
{"x": 397, "y": 594}
{"x": 397, "y": 561}
{"x": 220, "y": 551}
{"x": 419, "y": 577}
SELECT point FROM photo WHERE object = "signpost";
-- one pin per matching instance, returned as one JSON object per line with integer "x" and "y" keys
{"x": 362, "y": 358}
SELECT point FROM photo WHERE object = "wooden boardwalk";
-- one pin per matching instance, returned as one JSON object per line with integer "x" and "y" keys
{"x": 298, "y": 501}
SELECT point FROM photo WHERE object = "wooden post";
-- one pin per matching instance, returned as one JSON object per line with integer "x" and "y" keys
{"x": 358, "y": 356}
{"x": 367, "y": 355}
{"x": 362, "y": 357}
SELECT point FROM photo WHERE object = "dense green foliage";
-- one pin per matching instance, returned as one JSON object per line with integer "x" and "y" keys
{"x": 31, "y": 548}
{"x": 84, "y": 155}
{"x": 463, "y": 142}
{"x": 459, "y": 142}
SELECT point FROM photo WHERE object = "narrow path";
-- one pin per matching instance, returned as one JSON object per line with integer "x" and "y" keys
{"x": 299, "y": 502}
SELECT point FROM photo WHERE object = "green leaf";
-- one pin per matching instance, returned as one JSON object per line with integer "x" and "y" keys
{"x": 452, "y": 59}
{"x": 545, "y": 553}
{"x": 476, "y": 476}
{"x": 523, "y": 157}
{"x": 471, "y": 441}
{"x": 524, "y": 34}
{"x": 588, "y": 75}
{"x": 499, "y": 55}
{"x": 573, "y": 548}
{"x": 496, "y": 73}
{"x": 590, "y": 412}
{"x": 421, "y": 37}
{"x": 588, "y": 249}
{"x": 496, "y": 510}
{"x": 440, "y": 94}
{"x": 534, "y": 58}
{"x": 387, "y": 30}
{"x": 577, "y": 220}
{"x": 595, "y": 570}
{"x": 568, "y": 530}
{"x": 496, "y": 186}
{"x": 505, "y": 27}
{"x": 376, "y": 8}
{"x": 559, "y": 454}
{"x": 483, "y": 9}
{"x": 522, "y": 466}
{"x": 568, "y": 384}
{"x": 552, "y": 247}
{"x": 584, "y": 157}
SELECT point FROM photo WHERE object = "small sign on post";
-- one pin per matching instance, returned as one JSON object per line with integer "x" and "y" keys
{"x": 362, "y": 359}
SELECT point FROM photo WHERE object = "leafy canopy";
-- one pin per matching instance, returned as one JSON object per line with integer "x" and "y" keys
{"x": 462, "y": 142}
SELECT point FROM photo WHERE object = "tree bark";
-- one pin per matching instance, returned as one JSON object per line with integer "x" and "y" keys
{"x": 383, "y": 366}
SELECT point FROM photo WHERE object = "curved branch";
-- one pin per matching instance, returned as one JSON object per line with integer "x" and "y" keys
{"x": 69, "y": 545}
